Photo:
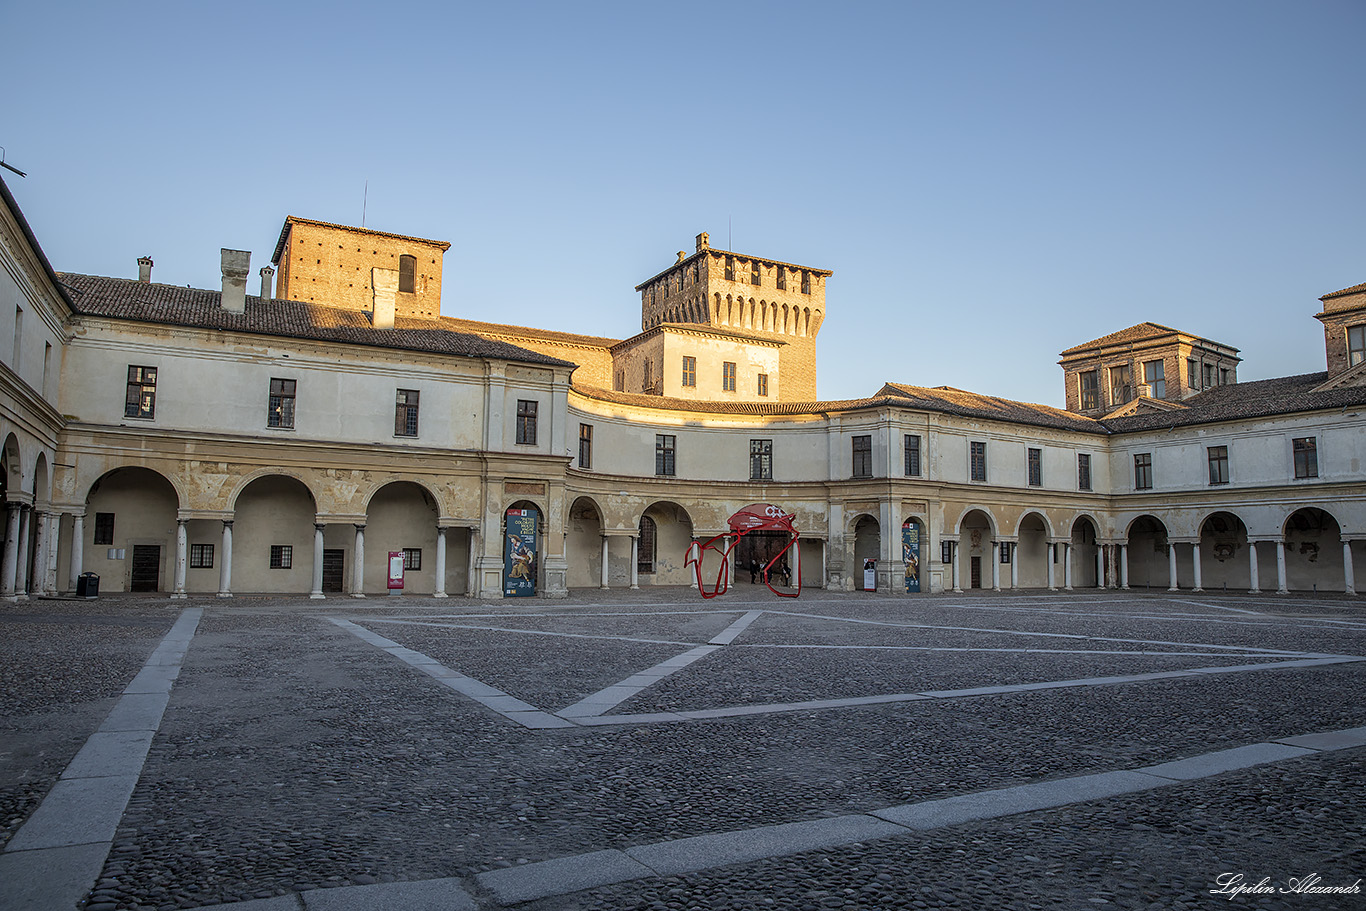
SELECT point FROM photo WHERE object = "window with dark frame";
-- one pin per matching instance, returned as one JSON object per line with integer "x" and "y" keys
{"x": 1306, "y": 457}
{"x": 1218, "y": 465}
{"x": 405, "y": 413}
{"x": 1034, "y": 467}
{"x": 763, "y": 384}
{"x": 645, "y": 546}
{"x": 1090, "y": 389}
{"x": 761, "y": 460}
{"x": 664, "y": 454}
{"x": 526, "y": 422}
{"x": 1005, "y": 552}
{"x": 806, "y": 282}
{"x": 863, "y": 456}
{"x": 1155, "y": 377}
{"x": 977, "y": 461}
{"x": 782, "y": 278}
{"x": 1121, "y": 384}
{"x": 1083, "y": 471}
{"x": 281, "y": 556}
{"x": 201, "y": 556}
{"x": 407, "y": 273}
{"x": 585, "y": 445}
{"x": 141, "y": 398}
{"x": 728, "y": 376}
{"x": 1192, "y": 374}
{"x": 730, "y": 268}
{"x": 280, "y": 412}
{"x": 912, "y": 455}
{"x": 946, "y": 552}
{"x": 104, "y": 528}
{"x": 1208, "y": 378}
{"x": 754, "y": 274}
{"x": 1356, "y": 345}
{"x": 412, "y": 559}
{"x": 689, "y": 371}
{"x": 1143, "y": 471}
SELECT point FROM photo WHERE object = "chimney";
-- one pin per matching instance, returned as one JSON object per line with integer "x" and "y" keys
{"x": 236, "y": 265}
{"x": 144, "y": 269}
{"x": 385, "y": 285}
{"x": 703, "y": 241}
{"x": 267, "y": 281}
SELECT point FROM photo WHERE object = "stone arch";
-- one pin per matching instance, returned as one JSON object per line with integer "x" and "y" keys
{"x": 1084, "y": 552}
{"x": 865, "y": 531}
{"x": 584, "y": 540}
{"x": 1147, "y": 541}
{"x": 42, "y": 482}
{"x": 129, "y": 530}
{"x": 806, "y": 321}
{"x": 1032, "y": 549}
{"x": 1313, "y": 551}
{"x": 1223, "y": 551}
{"x": 716, "y": 308}
{"x": 977, "y": 532}
{"x": 401, "y": 516}
{"x": 273, "y": 517}
{"x": 13, "y": 463}
{"x": 967, "y": 510}
{"x": 246, "y": 480}
{"x": 674, "y": 531}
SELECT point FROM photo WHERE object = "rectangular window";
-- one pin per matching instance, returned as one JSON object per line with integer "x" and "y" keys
{"x": 1034, "y": 462}
{"x": 1306, "y": 457}
{"x": 763, "y": 384}
{"x": 141, "y": 399}
{"x": 730, "y": 268}
{"x": 201, "y": 556}
{"x": 977, "y": 461}
{"x": 1143, "y": 471}
{"x": 1225, "y": 376}
{"x": 782, "y": 278}
{"x": 281, "y": 556}
{"x": 1208, "y": 377}
{"x": 806, "y": 282}
{"x": 1356, "y": 345}
{"x": 648, "y": 381}
{"x": 1083, "y": 471}
{"x": 912, "y": 455}
{"x": 1005, "y": 552}
{"x": 1192, "y": 374}
{"x": 619, "y": 383}
{"x": 104, "y": 528}
{"x": 1155, "y": 376}
{"x": 664, "y": 454}
{"x": 1090, "y": 389}
{"x": 280, "y": 411}
{"x": 585, "y": 445}
{"x": 754, "y": 276}
{"x": 1218, "y": 464}
{"x": 689, "y": 371}
{"x": 728, "y": 376}
{"x": 946, "y": 552}
{"x": 526, "y": 422}
{"x": 863, "y": 456}
{"x": 1121, "y": 385}
{"x": 761, "y": 460}
{"x": 412, "y": 558}
{"x": 405, "y": 413}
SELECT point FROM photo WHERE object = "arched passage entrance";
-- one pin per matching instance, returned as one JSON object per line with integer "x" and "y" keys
{"x": 272, "y": 534}
{"x": 1223, "y": 552}
{"x": 976, "y": 550}
{"x": 584, "y": 545}
{"x": 1147, "y": 553}
{"x": 1084, "y": 554}
{"x": 1315, "y": 558}
{"x": 401, "y": 518}
{"x": 867, "y": 546}
{"x": 1031, "y": 552}
{"x": 665, "y": 537}
{"x": 129, "y": 532}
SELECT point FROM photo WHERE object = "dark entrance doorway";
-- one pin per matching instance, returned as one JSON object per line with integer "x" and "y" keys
{"x": 334, "y": 570}
{"x": 976, "y": 572}
{"x": 146, "y": 568}
{"x": 761, "y": 546}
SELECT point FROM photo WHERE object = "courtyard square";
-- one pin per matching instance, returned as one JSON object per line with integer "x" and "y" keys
{"x": 651, "y": 749}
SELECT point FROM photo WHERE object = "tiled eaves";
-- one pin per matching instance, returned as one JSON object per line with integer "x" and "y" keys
{"x": 478, "y": 327}
{"x": 171, "y": 305}
{"x": 1355, "y": 289}
{"x": 1143, "y": 332}
{"x": 1248, "y": 401}
{"x": 32, "y": 239}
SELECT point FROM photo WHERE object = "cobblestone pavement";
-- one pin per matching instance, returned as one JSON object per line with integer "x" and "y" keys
{"x": 317, "y": 745}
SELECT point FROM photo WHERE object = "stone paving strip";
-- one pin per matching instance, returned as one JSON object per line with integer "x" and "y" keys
{"x": 591, "y": 711}
{"x": 58, "y": 853}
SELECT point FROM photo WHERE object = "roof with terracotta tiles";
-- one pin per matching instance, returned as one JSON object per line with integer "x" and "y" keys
{"x": 172, "y": 305}
{"x": 1355, "y": 289}
{"x": 1249, "y": 400}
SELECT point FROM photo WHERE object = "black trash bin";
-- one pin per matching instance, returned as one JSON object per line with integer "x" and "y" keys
{"x": 87, "y": 585}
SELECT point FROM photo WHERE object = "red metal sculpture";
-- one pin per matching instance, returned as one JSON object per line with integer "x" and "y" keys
{"x": 756, "y": 517}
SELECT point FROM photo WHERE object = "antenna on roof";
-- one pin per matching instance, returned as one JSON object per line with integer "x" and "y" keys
{"x": 730, "y": 244}
{"x": 9, "y": 167}
{"x": 364, "y": 201}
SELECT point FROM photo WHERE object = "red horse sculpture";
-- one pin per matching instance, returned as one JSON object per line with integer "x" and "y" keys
{"x": 758, "y": 517}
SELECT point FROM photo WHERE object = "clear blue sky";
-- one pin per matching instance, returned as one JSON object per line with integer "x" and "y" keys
{"x": 991, "y": 182}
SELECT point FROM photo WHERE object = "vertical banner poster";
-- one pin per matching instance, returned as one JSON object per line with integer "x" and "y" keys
{"x": 910, "y": 554}
{"x": 519, "y": 554}
{"x": 395, "y": 569}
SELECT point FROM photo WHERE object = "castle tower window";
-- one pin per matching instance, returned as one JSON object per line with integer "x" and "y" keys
{"x": 782, "y": 278}
{"x": 754, "y": 277}
{"x": 1356, "y": 345}
{"x": 407, "y": 273}
{"x": 730, "y": 268}
{"x": 806, "y": 282}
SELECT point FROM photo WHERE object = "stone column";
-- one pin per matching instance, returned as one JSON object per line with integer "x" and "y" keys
{"x": 54, "y": 521}
{"x": 225, "y": 571}
{"x": 1102, "y": 571}
{"x": 11, "y": 567}
{"x": 1052, "y": 573}
{"x": 1252, "y": 568}
{"x": 995, "y": 565}
{"x": 440, "y": 591}
{"x": 1348, "y": 573}
{"x": 1195, "y": 559}
{"x": 181, "y": 546}
{"x": 730, "y": 561}
{"x": 695, "y": 550}
{"x": 317, "y": 591}
{"x": 21, "y": 567}
{"x": 1171, "y": 566}
{"x": 1124, "y": 566}
{"x": 358, "y": 574}
{"x": 472, "y": 577}
{"x": 1067, "y": 566}
{"x": 77, "y": 548}
{"x": 953, "y": 552}
{"x": 1014, "y": 566}
{"x": 604, "y": 572}
{"x": 40, "y": 549}
{"x": 825, "y": 580}
{"x": 635, "y": 563}
{"x": 1280, "y": 567}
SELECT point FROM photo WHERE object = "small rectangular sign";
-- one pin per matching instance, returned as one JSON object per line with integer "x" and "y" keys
{"x": 396, "y": 569}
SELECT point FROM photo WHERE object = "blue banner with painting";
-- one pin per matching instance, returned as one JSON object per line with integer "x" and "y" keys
{"x": 519, "y": 554}
{"x": 910, "y": 554}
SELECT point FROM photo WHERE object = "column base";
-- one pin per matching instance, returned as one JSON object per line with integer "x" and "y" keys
{"x": 440, "y": 595}
{"x": 225, "y": 594}
{"x": 1197, "y": 589}
{"x": 316, "y": 596}
{"x": 1124, "y": 588}
{"x": 178, "y": 596}
{"x": 635, "y": 588}
{"x": 1173, "y": 589}
{"x": 358, "y": 594}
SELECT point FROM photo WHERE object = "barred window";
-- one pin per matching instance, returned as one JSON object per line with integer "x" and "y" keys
{"x": 526, "y": 422}
{"x": 280, "y": 411}
{"x": 405, "y": 413}
{"x": 1083, "y": 471}
{"x": 1034, "y": 466}
{"x": 728, "y": 376}
{"x": 645, "y": 547}
{"x": 585, "y": 445}
{"x": 281, "y": 556}
{"x": 141, "y": 398}
{"x": 761, "y": 460}
{"x": 201, "y": 556}
{"x": 977, "y": 461}
{"x": 763, "y": 384}
{"x": 412, "y": 558}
